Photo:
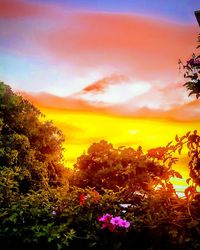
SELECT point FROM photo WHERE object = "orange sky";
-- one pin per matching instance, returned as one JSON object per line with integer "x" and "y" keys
{"x": 83, "y": 125}
{"x": 101, "y": 74}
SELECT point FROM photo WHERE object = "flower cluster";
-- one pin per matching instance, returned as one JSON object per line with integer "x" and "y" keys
{"x": 91, "y": 196}
{"x": 113, "y": 223}
{"x": 193, "y": 62}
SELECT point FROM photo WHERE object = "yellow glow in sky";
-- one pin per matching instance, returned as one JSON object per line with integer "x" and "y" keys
{"x": 81, "y": 129}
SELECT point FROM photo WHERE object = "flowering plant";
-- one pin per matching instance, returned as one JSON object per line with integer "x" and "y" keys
{"x": 113, "y": 223}
{"x": 92, "y": 196}
{"x": 192, "y": 73}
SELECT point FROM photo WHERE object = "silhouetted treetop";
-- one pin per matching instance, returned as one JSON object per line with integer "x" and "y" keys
{"x": 109, "y": 167}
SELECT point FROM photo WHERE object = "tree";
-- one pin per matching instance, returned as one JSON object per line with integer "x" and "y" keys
{"x": 30, "y": 148}
{"x": 192, "y": 73}
{"x": 107, "y": 167}
{"x": 191, "y": 142}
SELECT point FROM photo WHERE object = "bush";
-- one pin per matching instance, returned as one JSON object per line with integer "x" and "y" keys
{"x": 60, "y": 219}
{"x": 112, "y": 203}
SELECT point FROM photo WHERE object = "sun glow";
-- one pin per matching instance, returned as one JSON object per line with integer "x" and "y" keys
{"x": 81, "y": 129}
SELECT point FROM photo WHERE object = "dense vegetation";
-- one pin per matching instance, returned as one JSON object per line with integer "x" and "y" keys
{"x": 115, "y": 198}
{"x": 30, "y": 150}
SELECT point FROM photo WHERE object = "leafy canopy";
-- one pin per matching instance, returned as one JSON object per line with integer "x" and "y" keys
{"x": 30, "y": 149}
{"x": 104, "y": 166}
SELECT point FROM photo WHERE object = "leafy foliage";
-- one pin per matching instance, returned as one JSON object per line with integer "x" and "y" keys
{"x": 192, "y": 142}
{"x": 192, "y": 73}
{"x": 30, "y": 149}
{"x": 38, "y": 209}
{"x": 107, "y": 167}
{"x": 57, "y": 220}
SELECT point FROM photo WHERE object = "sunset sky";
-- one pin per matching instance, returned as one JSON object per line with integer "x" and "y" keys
{"x": 103, "y": 69}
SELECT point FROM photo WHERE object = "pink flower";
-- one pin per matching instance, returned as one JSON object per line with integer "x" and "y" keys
{"x": 105, "y": 218}
{"x": 113, "y": 223}
{"x": 197, "y": 62}
{"x": 116, "y": 221}
{"x": 193, "y": 62}
{"x": 124, "y": 223}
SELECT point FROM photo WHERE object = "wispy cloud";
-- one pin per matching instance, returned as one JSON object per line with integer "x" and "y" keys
{"x": 114, "y": 89}
{"x": 119, "y": 62}
{"x": 189, "y": 111}
{"x": 102, "y": 84}
{"x": 142, "y": 46}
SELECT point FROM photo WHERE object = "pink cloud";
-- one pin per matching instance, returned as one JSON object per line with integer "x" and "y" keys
{"x": 53, "y": 101}
{"x": 141, "y": 48}
{"x": 113, "y": 89}
{"x": 159, "y": 96}
{"x": 181, "y": 112}
{"x": 12, "y": 9}
{"x": 141, "y": 45}
{"x": 189, "y": 111}
{"x": 101, "y": 84}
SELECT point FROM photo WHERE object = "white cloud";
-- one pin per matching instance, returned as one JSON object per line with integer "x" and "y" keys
{"x": 116, "y": 94}
{"x": 42, "y": 76}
